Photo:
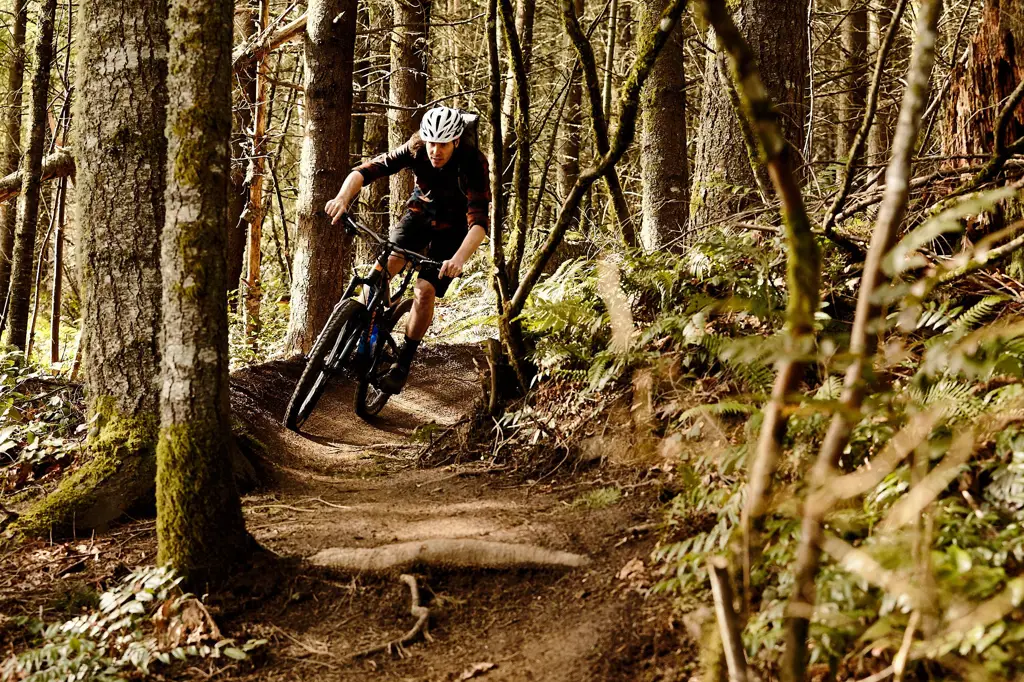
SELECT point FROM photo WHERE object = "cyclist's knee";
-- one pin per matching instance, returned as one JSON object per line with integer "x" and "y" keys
{"x": 424, "y": 293}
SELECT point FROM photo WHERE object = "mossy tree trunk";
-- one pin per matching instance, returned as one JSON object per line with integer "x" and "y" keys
{"x": 723, "y": 181}
{"x": 322, "y": 251}
{"x": 23, "y": 262}
{"x": 121, "y": 161}
{"x": 408, "y": 85}
{"x": 12, "y": 151}
{"x": 664, "y": 169}
{"x": 200, "y": 530}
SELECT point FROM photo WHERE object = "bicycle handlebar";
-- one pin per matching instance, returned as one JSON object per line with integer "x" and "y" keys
{"x": 418, "y": 259}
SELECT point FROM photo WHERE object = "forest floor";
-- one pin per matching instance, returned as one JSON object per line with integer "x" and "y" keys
{"x": 346, "y": 482}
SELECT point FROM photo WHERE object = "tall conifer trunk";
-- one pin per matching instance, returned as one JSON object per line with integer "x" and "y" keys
{"x": 570, "y": 145}
{"x": 408, "y": 84}
{"x": 664, "y": 168}
{"x": 854, "y": 83}
{"x": 23, "y": 261}
{"x": 200, "y": 530}
{"x": 12, "y": 145}
{"x": 120, "y": 101}
{"x": 322, "y": 251}
{"x": 723, "y": 182}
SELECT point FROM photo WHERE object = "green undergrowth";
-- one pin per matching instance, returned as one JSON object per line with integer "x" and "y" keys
{"x": 688, "y": 343}
{"x": 41, "y": 427}
{"x": 138, "y": 629}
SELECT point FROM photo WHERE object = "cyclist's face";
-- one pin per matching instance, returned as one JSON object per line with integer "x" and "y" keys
{"x": 441, "y": 152}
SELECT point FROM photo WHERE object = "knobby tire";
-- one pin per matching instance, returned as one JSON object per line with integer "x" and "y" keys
{"x": 369, "y": 403}
{"x": 315, "y": 376}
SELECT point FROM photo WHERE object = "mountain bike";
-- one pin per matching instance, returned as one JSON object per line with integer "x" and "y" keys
{"x": 357, "y": 339}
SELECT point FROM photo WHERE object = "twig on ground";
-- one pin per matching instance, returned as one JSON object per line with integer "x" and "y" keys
{"x": 422, "y": 615}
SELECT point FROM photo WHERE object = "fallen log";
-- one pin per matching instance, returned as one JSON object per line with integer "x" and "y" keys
{"x": 59, "y": 164}
{"x": 444, "y": 553}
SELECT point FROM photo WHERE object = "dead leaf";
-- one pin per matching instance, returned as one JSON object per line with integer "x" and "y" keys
{"x": 477, "y": 669}
{"x": 633, "y": 568}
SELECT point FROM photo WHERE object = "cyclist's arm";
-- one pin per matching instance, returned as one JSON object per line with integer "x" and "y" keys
{"x": 376, "y": 168}
{"x": 338, "y": 206}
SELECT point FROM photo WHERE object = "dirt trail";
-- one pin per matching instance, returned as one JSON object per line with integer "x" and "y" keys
{"x": 347, "y": 482}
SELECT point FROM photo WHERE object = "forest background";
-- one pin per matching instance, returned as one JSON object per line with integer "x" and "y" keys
{"x": 783, "y": 234}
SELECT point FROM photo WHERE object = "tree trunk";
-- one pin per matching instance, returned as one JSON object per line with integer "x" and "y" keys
{"x": 121, "y": 94}
{"x": 408, "y": 85}
{"x": 979, "y": 92}
{"x": 200, "y": 530}
{"x": 32, "y": 161}
{"x": 981, "y": 87}
{"x": 253, "y": 262}
{"x": 245, "y": 28}
{"x": 58, "y": 273}
{"x": 12, "y": 152}
{"x": 322, "y": 251}
{"x": 854, "y": 84}
{"x": 376, "y": 195}
{"x": 664, "y": 169}
{"x": 723, "y": 181}
{"x": 881, "y": 130}
{"x": 569, "y": 150}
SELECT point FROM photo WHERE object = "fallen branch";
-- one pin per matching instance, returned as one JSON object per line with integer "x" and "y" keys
{"x": 728, "y": 621}
{"x": 60, "y": 164}
{"x": 444, "y": 553}
{"x": 422, "y": 614}
{"x": 268, "y": 42}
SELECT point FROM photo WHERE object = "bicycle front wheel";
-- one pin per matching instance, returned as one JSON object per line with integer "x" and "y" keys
{"x": 331, "y": 350}
{"x": 370, "y": 400}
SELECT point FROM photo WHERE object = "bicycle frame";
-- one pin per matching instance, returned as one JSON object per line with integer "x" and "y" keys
{"x": 376, "y": 284}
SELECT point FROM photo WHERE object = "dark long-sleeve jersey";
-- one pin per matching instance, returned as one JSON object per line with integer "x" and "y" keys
{"x": 458, "y": 189}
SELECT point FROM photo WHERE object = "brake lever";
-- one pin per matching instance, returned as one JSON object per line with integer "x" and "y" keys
{"x": 350, "y": 228}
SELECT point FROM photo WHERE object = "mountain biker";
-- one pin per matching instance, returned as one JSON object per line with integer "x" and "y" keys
{"x": 446, "y": 218}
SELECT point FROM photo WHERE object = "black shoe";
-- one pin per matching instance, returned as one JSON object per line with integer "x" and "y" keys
{"x": 394, "y": 380}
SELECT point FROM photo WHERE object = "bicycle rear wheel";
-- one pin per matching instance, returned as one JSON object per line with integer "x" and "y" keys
{"x": 369, "y": 399}
{"x": 330, "y": 351}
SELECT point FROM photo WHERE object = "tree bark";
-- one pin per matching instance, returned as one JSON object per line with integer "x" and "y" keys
{"x": 12, "y": 150}
{"x": 854, "y": 84}
{"x": 200, "y": 530}
{"x": 664, "y": 169}
{"x": 408, "y": 84}
{"x": 377, "y": 129}
{"x": 723, "y": 181}
{"x": 121, "y": 161}
{"x": 32, "y": 161}
{"x": 569, "y": 149}
{"x": 322, "y": 251}
{"x": 994, "y": 68}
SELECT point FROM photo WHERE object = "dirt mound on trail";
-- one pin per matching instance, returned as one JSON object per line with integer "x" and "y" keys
{"x": 442, "y": 387}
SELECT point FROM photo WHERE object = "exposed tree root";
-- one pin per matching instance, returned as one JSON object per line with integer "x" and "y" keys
{"x": 422, "y": 615}
{"x": 445, "y": 553}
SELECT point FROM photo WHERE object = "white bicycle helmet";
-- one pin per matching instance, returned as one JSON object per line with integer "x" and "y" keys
{"x": 441, "y": 124}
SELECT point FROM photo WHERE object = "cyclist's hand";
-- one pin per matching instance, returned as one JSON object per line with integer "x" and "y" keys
{"x": 336, "y": 208}
{"x": 452, "y": 267}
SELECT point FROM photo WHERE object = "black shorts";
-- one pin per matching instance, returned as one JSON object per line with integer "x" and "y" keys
{"x": 418, "y": 231}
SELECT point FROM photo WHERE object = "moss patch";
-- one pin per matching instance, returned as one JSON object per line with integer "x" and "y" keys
{"x": 119, "y": 470}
